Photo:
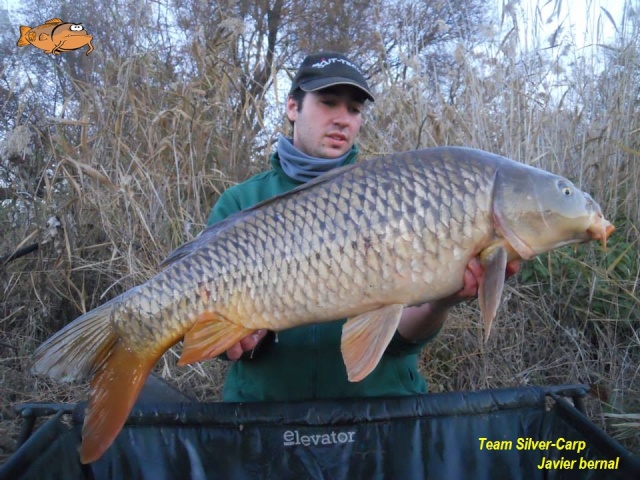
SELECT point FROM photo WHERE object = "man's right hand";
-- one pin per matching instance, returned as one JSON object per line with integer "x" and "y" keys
{"x": 246, "y": 344}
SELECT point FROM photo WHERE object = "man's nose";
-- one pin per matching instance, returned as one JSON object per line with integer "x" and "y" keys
{"x": 341, "y": 116}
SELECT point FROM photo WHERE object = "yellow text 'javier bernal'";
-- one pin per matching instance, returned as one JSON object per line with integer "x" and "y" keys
{"x": 548, "y": 463}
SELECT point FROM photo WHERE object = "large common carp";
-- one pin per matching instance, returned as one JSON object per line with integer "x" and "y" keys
{"x": 365, "y": 241}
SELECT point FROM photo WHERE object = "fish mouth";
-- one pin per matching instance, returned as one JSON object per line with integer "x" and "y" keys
{"x": 601, "y": 229}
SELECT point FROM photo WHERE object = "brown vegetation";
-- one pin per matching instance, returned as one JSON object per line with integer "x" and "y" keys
{"x": 129, "y": 147}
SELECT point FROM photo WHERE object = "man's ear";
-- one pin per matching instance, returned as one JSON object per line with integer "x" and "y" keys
{"x": 292, "y": 109}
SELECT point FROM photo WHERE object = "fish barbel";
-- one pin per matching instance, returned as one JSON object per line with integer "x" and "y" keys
{"x": 364, "y": 240}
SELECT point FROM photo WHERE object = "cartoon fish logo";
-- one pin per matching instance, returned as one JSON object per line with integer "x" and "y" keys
{"x": 56, "y": 37}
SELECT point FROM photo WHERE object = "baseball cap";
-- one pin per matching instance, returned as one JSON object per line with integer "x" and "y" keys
{"x": 325, "y": 69}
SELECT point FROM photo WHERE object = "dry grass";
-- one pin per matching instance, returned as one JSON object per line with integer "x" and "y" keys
{"x": 131, "y": 168}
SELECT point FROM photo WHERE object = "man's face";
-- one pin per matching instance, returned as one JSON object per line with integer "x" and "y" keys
{"x": 328, "y": 123}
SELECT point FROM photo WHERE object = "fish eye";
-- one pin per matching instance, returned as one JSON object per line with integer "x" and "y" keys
{"x": 565, "y": 189}
{"x": 76, "y": 28}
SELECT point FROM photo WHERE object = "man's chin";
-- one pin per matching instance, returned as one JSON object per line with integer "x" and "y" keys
{"x": 335, "y": 152}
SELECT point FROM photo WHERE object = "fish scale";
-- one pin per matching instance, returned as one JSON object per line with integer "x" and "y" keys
{"x": 317, "y": 267}
{"x": 361, "y": 243}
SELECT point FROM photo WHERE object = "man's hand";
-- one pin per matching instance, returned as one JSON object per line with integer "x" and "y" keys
{"x": 473, "y": 276}
{"x": 245, "y": 345}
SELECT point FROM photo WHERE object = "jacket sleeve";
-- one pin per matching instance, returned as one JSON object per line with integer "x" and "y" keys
{"x": 401, "y": 346}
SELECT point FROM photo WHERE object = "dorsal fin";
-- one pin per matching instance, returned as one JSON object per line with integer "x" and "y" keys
{"x": 53, "y": 21}
{"x": 217, "y": 228}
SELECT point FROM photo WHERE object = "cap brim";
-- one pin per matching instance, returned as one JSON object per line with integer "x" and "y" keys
{"x": 322, "y": 83}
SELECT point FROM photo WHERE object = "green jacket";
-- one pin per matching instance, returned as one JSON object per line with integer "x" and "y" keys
{"x": 305, "y": 362}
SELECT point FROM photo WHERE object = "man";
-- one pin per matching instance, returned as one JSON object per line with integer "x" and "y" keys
{"x": 324, "y": 106}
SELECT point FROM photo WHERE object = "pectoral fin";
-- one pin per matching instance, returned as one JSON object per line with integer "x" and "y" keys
{"x": 494, "y": 261}
{"x": 365, "y": 338}
{"x": 211, "y": 335}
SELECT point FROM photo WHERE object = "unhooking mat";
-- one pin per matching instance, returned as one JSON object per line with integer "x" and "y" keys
{"x": 485, "y": 435}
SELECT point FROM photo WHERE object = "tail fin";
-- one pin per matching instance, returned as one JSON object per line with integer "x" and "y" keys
{"x": 79, "y": 349}
{"x": 22, "y": 41}
{"x": 109, "y": 407}
{"x": 89, "y": 347}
